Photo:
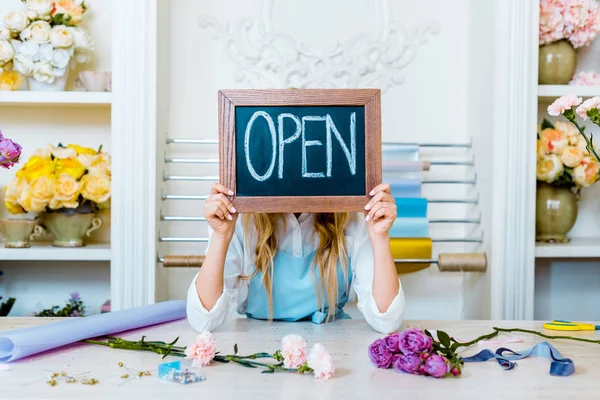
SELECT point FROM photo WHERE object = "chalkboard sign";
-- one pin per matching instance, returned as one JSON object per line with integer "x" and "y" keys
{"x": 314, "y": 150}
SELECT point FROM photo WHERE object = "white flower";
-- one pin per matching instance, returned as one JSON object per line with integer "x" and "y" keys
{"x": 82, "y": 39}
{"x": 63, "y": 152}
{"x": 23, "y": 64}
{"x": 5, "y": 34}
{"x": 38, "y": 32}
{"x": 46, "y": 52}
{"x": 39, "y": 8}
{"x": 16, "y": 44}
{"x": 62, "y": 37}
{"x": 44, "y": 152}
{"x": 549, "y": 168}
{"x": 571, "y": 156}
{"x": 31, "y": 50}
{"x": 60, "y": 59}
{"x": 43, "y": 72}
{"x": 16, "y": 21}
{"x": 7, "y": 52}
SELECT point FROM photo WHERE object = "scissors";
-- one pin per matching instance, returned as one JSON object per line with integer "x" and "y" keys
{"x": 560, "y": 325}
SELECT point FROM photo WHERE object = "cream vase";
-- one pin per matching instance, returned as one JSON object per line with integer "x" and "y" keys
{"x": 57, "y": 86}
{"x": 18, "y": 232}
{"x": 70, "y": 230}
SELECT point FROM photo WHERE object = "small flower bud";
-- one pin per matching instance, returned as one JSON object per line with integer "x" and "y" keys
{"x": 424, "y": 356}
{"x": 455, "y": 371}
{"x": 422, "y": 370}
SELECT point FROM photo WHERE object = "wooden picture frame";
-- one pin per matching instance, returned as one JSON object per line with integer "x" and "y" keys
{"x": 370, "y": 99}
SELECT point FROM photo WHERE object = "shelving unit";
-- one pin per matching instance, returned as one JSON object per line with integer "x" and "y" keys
{"x": 553, "y": 91}
{"x": 576, "y": 248}
{"x": 45, "y": 252}
{"x": 68, "y": 99}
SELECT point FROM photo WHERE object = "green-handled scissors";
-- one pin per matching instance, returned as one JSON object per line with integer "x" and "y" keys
{"x": 560, "y": 325}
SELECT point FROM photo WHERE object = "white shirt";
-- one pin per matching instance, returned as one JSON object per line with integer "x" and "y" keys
{"x": 298, "y": 240}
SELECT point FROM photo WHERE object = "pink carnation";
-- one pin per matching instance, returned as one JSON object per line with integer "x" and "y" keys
{"x": 586, "y": 106}
{"x": 586, "y": 79}
{"x": 293, "y": 350}
{"x": 552, "y": 26}
{"x": 563, "y": 104}
{"x": 321, "y": 363}
{"x": 575, "y": 20}
{"x": 202, "y": 351}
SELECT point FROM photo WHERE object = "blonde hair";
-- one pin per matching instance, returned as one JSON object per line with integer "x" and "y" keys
{"x": 332, "y": 247}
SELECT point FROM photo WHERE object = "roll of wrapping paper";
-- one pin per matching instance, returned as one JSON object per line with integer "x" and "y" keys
{"x": 400, "y": 151}
{"x": 404, "y": 187}
{"x": 410, "y": 228}
{"x": 392, "y": 166}
{"x": 411, "y": 249}
{"x": 411, "y": 207}
{"x": 25, "y": 342}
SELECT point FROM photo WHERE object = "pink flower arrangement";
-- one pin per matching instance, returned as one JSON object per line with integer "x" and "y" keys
{"x": 586, "y": 79}
{"x": 10, "y": 152}
{"x": 414, "y": 351}
{"x": 577, "y": 21}
{"x": 202, "y": 351}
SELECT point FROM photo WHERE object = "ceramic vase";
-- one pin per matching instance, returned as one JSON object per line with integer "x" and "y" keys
{"x": 18, "y": 232}
{"x": 556, "y": 213}
{"x": 557, "y": 63}
{"x": 69, "y": 229}
{"x": 57, "y": 86}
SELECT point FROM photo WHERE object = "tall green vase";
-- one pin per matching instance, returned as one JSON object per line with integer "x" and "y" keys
{"x": 555, "y": 213}
{"x": 557, "y": 63}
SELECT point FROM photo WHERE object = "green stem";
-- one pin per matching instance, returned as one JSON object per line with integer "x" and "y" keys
{"x": 479, "y": 339}
{"x": 546, "y": 336}
{"x": 570, "y": 115}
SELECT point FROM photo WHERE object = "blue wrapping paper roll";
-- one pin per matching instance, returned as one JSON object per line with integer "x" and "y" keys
{"x": 411, "y": 207}
{"x": 410, "y": 228}
{"x": 391, "y": 166}
{"x": 25, "y": 342}
{"x": 400, "y": 151}
{"x": 405, "y": 187}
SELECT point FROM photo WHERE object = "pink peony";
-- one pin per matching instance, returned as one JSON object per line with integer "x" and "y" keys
{"x": 586, "y": 79}
{"x": 575, "y": 20}
{"x": 586, "y": 106}
{"x": 202, "y": 351}
{"x": 293, "y": 350}
{"x": 10, "y": 152}
{"x": 321, "y": 363}
{"x": 563, "y": 104}
{"x": 414, "y": 341}
{"x": 552, "y": 25}
{"x": 437, "y": 366}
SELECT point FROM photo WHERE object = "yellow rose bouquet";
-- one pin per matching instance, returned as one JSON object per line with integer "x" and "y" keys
{"x": 71, "y": 179}
{"x": 563, "y": 159}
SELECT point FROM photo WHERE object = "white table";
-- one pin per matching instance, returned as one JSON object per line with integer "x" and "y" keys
{"x": 347, "y": 341}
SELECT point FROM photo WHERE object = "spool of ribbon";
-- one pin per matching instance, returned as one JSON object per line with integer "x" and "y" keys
{"x": 411, "y": 249}
{"x": 410, "y": 228}
{"x": 400, "y": 151}
{"x": 405, "y": 187}
{"x": 559, "y": 366}
{"x": 402, "y": 169}
{"x": 411, "y": 207}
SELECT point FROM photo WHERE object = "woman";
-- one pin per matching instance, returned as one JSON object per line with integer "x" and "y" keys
{"x": 295, "y": 267}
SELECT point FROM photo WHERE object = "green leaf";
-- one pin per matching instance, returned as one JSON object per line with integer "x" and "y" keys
{"x": 99, "y": 149}
{"x": 444, "y": 338}
{"x": 235, "y": 348}
{"x": 174, "y": 341}
{"x": 268, "y": 371}
{"x": 245, "y": 364}
{"x": 428, "y": 333}
{"x": 454, "y": 346}
{"x": 547, "y": 124}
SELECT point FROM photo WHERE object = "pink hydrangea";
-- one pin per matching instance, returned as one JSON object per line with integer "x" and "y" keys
{"x": 575, "y": 20}
{"x": 586, "y": 79}
{"x": 563, "y": 104}
{"x": 293, "y": 350}
{"x": 587, "y": 105}
{"x": 321, "y": 363}
{"x": 202, "y": 351}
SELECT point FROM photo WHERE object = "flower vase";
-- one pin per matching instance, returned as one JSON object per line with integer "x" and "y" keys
{"x": 557, "y": 63}
{"x": 555, "y": 214}
{"x": 57, "y": 86}
{"x": 69, "y": 229}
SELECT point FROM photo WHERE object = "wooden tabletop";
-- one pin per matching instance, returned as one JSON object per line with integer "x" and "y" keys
{"x": 347, "y": 340}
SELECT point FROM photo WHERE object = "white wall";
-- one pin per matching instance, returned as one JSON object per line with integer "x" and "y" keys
{"x": 50, "y": 283}
{"x": 442, "y": 90}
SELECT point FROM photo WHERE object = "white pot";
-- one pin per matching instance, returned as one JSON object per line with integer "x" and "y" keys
{"x": 57, "y": 86}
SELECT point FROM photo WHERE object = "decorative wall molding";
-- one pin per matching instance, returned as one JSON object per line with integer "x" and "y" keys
{"x": 133, "y": 143}
{"x": 514, "y": 144}
{"x": 268, "y": 58}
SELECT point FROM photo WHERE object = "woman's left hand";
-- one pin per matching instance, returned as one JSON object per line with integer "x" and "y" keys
{"x": 381, "y": 211}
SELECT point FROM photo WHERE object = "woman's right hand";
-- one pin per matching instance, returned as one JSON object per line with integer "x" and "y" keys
{"x": 219, "y": 211}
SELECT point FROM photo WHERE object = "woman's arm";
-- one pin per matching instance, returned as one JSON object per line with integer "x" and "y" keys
{"x": 381, "y": 214}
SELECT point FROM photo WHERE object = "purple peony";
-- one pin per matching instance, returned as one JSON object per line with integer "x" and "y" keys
{"x": 392, "y": 341}
{"x": 379, "y": 354}
{"x": 75, "y": 296}
{"x": 409, "y": 363}
{"x": 10, "y": 152}
{"x": 437, "y": 366}
{"x": 413, "y": 341}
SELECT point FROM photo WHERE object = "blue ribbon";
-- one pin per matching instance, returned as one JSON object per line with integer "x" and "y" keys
{"x": 559, "y": 366}
{"x": 410, "y": 228}
{"x": 411, "y": 207}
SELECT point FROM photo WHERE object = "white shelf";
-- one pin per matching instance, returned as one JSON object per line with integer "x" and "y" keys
{"x": 72, "y": 99}
{"x": 555, "y": 91}
{"x": 576, "y": 248}
{"x": 46, "y": 252}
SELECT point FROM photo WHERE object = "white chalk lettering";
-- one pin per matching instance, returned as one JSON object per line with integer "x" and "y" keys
{"x": 282, "y": 141}
{"x": 269, "y": 120}
{"x": 308, "y": 143}
{"x": 350, "y": 153}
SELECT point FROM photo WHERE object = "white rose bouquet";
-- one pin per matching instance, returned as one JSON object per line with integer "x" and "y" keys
{"x": 44, "y": 40}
